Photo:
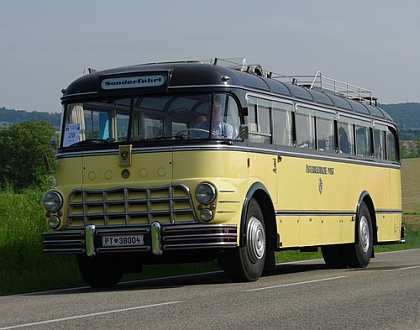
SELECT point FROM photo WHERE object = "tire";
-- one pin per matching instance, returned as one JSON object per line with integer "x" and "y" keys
{"x": 101, "y": 271}
{"x": 359, "y": 253}
{"x": 334, "y": 256}
{"x": 246, "y": 263}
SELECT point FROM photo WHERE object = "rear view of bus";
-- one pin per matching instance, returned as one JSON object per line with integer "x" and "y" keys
{"x": 193, "y": 161}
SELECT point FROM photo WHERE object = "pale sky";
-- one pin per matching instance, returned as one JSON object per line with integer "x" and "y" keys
{"x": 46, "y": 44}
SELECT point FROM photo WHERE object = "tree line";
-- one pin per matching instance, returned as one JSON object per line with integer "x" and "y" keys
{"x": 8, "y": 116}
{"x": 405, "y": 115}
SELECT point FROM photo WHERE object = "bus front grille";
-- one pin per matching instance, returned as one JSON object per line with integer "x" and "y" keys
{"x": 130, "y": 206}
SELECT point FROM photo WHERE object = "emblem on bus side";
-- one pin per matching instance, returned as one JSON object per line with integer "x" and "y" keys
{"x": 320, "y": 185}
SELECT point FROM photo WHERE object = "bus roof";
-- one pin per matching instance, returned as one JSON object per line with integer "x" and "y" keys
{"x": 220, "y": 75}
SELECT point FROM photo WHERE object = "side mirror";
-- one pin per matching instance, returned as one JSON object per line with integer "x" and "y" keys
{"x": 243, "y": 132}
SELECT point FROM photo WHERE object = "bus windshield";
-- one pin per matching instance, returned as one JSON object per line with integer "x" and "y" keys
{"x": 197, "y": 116}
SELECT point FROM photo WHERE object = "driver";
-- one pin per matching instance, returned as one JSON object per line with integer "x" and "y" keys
{"x": 219, "y": 128}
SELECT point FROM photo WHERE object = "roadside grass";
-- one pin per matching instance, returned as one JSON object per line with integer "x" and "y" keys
{"x": 24, "y": 268}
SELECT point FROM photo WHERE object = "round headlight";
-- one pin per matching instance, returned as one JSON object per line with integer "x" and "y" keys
{"x": 52, "y": 201}
{"x": 205, "y": 193}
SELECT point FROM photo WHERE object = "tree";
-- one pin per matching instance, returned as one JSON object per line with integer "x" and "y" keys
{"x": 23, "y": 149}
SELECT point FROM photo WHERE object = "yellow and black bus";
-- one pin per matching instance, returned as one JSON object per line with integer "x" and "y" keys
{"x": 193, "y": 161}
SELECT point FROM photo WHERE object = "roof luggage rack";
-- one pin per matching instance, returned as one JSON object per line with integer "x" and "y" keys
{"x": 317, "y": 82}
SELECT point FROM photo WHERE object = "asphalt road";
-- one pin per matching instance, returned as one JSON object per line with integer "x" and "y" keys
{"x": 303, "y": 295}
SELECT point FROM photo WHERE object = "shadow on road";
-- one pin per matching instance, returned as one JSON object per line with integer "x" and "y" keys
{"x": 208, "y": 278}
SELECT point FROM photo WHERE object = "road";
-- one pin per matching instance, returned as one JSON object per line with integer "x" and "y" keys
{"x": 302, "y": 295}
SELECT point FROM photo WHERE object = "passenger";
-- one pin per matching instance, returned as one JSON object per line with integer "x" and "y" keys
{"x": 344, "y": 141}
{"x": 219, "y": 128}
{"x": 324, "y": 144}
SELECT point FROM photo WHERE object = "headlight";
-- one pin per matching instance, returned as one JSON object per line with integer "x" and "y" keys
{"x": 52, "y": 201}
{"x": 205, "y": 193}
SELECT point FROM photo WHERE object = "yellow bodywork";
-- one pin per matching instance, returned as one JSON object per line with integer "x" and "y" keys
{"x": 315, "y": 199}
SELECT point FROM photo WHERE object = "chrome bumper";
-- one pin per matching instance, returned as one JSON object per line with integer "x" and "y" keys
{"x": 157, "y": 239}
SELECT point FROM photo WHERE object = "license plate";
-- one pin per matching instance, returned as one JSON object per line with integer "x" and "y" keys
{"x": 124, "y": 240}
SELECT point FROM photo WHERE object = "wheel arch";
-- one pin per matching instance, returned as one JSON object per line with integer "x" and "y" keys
{"x": 260, "y": 193}
{"x": 367, "y": 199}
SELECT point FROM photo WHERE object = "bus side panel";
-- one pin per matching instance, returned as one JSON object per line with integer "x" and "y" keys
{"x": 318, "y": 200}
{"x": 69, "y": 171}
{"x": 264, "y": 168}
{"x": 389, "y": 224}
{"x": 226, "y": 170}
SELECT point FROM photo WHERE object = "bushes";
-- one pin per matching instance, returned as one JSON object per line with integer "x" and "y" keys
{"x": 23, "y": 149}
{"x": 23, "y": 266}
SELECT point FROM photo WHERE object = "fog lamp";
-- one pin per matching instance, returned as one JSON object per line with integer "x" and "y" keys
{"x": 206, "y": 215}
{"x": 54, "y": 222}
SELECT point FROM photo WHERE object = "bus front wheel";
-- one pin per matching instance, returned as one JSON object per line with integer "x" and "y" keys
{"x": 246, "y": 263}
{"x": 101, "y": 271}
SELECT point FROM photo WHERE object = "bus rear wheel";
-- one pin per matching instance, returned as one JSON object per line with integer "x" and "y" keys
{"x": 246, "y": 263}
{"x": 359, "y": 253}
{"x": 101, "y": 271}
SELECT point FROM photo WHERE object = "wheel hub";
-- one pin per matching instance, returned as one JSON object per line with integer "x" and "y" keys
{"x": 256, "y": 240}
{"x": 364, "y": 234}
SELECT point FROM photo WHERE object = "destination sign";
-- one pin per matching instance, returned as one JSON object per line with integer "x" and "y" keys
{"x": 133, "y": 82}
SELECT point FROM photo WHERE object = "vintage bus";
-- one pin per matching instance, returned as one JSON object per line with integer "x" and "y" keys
{"x": 196, "y": 161}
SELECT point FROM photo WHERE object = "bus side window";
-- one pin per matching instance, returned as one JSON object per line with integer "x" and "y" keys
{"x": 231, "y": 115}
{"x": 259, "y": 120}
{"x": 379, "y": 143}
{"x": 391, "y": 146}
{"x": 362, "y": 141}
{"x": 345, "y": 138}
{"x": 325, "y": 134}
{"x": 282, "y": 118}
{"x": 304, "y": 131}
{"x": 264, "y": 123}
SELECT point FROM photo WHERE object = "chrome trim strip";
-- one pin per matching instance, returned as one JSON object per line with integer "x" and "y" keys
{"x": 156, "y": 238}
{"x": 388, "y": 211}
{"x": 314, "y": 212}
{"x": 90, "y": 240}
{"x": 332, "y": 212}
{"x": 312, "y": 154}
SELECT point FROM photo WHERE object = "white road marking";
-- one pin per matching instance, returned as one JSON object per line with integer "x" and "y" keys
{"x": 89, "y": 315}
{"x": 296, "y": 283}
{"x": 403, "y": 268}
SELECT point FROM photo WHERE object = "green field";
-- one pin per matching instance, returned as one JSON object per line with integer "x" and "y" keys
{"x": 23, "y": 267}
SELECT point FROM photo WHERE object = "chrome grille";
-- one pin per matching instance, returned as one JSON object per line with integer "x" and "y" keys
{"x": 130, "y": 206}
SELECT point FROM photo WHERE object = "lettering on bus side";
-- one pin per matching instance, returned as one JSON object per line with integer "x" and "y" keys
{"x": 313, "y": 169}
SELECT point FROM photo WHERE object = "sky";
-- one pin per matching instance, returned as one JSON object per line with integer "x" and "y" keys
{"x": 46, "y": 44}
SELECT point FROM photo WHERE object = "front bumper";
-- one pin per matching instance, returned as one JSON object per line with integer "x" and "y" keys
{"x": 157, "y": 239}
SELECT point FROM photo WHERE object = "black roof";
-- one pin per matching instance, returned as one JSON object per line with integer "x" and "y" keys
{"x": 180, "y": 75}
